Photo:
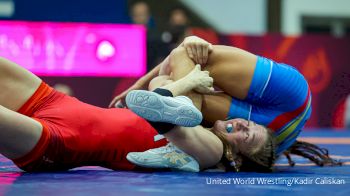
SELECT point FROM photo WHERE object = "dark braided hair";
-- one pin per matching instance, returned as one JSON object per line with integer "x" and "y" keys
{"x": 312, "y": 152}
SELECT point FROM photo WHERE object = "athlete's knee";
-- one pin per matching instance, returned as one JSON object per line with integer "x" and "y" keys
{"x": 179, "y": 51}
{"x": 176, "y": 55}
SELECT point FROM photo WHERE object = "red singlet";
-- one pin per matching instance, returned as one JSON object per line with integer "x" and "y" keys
{"x": 78, "y": 134}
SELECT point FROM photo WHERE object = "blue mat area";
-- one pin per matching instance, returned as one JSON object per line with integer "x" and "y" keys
{"x": 304, "y": 178}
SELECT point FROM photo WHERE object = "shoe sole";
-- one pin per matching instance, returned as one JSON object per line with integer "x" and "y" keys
{"x": 157, "y": 108}
{"x": 186, "y": 168}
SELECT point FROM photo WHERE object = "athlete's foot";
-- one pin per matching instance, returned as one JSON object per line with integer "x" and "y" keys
{"x": 154, "y": 107}
{"x": 167, "y": 157}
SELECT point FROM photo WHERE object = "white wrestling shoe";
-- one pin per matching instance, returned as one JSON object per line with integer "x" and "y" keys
{"x": 166, "y": 157}
{"x": 154, "y": 107}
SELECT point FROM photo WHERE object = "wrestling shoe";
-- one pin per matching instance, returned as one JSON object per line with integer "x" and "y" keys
{"x": 154, "y": 107}
{"x": 166, "y": 157}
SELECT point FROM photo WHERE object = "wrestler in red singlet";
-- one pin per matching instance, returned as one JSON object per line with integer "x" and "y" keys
{"x": 78, "y": 134}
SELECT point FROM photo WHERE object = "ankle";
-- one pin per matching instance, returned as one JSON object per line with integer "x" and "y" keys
{"x": 163, "y": 92}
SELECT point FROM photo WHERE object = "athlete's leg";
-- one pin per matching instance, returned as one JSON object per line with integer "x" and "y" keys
{"x": 17, "y": 85}
{"x": 198, "y": 142}
{"x": 18, "y": 133}
{"x": 231, "y": 68}
{"x": 215, "y": 107}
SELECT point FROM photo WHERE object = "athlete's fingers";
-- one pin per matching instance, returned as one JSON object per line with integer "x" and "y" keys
{"x": 189, "y": 52}
{"x": 112, "y": 103}
{"x": 205, "y": 90}
{"x": 205, "y": 55}
{"x": 210, "y": 47}
{"x": 211, "y": 89}
{"x": 194, "y": 54}
{"x": 199, "y": 54}
{"x": 119, "y": 98}
{"x": 211, "y": 80}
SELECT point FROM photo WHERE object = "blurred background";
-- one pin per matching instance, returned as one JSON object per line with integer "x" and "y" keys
{"x": 95, "y": 49}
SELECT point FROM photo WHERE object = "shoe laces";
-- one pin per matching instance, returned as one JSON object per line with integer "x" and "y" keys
{"x": 168, "y": 148}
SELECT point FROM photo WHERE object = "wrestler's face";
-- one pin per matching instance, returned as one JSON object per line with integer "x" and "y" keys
{"x": 247, "y": 137}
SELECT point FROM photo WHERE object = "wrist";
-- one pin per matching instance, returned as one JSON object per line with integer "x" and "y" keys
{"x": 187, "y": 84}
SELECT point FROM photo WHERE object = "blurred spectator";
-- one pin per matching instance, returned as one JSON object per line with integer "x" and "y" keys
{"x": 63, "y": 88}
{"x": 178, "y": 17}
{"x": 177, "y": 27}
{"x": 140, "y": 14}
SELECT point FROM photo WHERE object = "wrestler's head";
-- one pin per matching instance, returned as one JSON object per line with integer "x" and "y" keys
{"x": 245, "y": 140}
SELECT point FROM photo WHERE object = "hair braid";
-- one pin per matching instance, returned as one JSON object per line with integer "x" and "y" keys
{"x": 314, "y": 153}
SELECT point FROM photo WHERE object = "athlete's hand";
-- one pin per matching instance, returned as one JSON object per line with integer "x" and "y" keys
{"x": 197, "y": 49}
{"x": 119, "y": 101}
{"x": 200, "y": 80}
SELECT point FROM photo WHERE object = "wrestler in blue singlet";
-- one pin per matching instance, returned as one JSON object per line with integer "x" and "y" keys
{"x": 279, "y": 98}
